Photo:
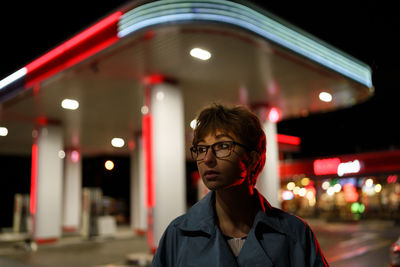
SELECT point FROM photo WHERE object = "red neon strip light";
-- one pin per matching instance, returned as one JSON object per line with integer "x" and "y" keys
{"x": 100, "y": 35}
{"x": 34, "y": 173}
{"x": 147, "y": 125}
{"x": 153, "y": 79}
{"x": 81, "y": 37}
{"x": 69, "y": 63}
{"x": 288, "y": 139}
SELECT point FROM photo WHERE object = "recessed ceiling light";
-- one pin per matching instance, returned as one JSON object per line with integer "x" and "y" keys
{"x": 61, "y": 154}
{"x": 160, "y": 96}
{"x": 193, "y": 124}
{"x": 117, "y": 142}
{"x": 70, "y": 104}
{"x": 144, "y": 110}
{"x": 200, "y": 53}
{"x": 3, "y": 131}
{"x": 109, "y": 165}
{"x": 326, "y": 97}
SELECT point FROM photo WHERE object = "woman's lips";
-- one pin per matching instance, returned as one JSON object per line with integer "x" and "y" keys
{"x": 210, "y": 175}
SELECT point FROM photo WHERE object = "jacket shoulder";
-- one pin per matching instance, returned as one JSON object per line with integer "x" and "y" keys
{"x": 166, "y": 252}
{"x": 298, "y": 230}
{"x": 174, "y": 225}
{"x": 295, "y": 227}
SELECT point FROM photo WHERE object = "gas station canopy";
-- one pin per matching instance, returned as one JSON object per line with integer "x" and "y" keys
{"x": 255, "y": 58}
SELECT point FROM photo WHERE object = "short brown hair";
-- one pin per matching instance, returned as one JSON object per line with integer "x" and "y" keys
{"x": 238, "y": 120}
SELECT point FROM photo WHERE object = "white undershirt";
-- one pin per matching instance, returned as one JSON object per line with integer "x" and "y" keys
{"x": 236, "y": 244}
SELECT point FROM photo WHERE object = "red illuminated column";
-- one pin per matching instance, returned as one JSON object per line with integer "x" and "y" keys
{"x": 269, "y": 181}
{"x": 166, "y": 117}
{"x": 138, "y": 190}
{"x": 72, "y": 191}
{"x": 46, "y": 184}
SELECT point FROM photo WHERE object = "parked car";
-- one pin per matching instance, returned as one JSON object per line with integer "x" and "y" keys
{"x": 395, "y": 254}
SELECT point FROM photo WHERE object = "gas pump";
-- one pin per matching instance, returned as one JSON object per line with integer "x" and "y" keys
{"x": 91, "y": 210}
{"x": 21, "y": 218}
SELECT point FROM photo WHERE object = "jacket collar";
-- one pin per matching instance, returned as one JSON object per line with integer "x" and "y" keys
{"x": 201, "y": 216}
{"x": 270, "y": 216}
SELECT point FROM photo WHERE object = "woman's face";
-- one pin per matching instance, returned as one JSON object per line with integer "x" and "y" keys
{"x": 221, "y": 173}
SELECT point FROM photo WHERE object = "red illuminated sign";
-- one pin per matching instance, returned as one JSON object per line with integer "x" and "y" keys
{"x": 326, "y": 166}
{"x": 335, "y": 166}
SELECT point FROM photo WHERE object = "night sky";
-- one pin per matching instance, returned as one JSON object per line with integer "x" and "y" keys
{"x": 366, "y": 30}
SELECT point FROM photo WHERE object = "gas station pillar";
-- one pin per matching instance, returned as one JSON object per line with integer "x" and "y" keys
{"x": 72, "y": 191}
{"x": 268, "y": 182}
{"x": 169, "y": 156}
{"x": 46, "y": 184}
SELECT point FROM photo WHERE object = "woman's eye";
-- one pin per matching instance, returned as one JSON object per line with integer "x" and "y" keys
{"x": 223, "y": 146}
{"x": 201, "y": 150}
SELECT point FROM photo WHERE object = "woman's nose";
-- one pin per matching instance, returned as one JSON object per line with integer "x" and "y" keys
{"x": 209, "y": 157}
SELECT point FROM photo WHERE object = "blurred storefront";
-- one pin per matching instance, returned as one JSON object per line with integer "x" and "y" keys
{"x": 347, "y": 187}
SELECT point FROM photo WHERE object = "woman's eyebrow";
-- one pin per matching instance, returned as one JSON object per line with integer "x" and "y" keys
{"x": 199, "y": 141}
{"x": 219, "y": 136}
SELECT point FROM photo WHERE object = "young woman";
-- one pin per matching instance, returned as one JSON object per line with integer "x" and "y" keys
{"x": 234, "y": 225}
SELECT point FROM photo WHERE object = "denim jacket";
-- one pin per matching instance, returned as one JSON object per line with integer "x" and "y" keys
{"x": 277, "y": 238}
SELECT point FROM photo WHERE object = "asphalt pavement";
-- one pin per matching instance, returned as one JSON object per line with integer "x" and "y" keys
{"x": 123, "y": 249}
{"x": 356, "y": 244}
{"x": 364, "y": 243}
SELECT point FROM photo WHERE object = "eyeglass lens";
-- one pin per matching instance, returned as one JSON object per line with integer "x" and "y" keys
{"x": 220, "y": 150}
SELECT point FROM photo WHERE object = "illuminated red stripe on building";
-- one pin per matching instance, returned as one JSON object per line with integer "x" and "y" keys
{"x": 288, "y": 139}
{"x": 34, "y": 173}
{"x": 149, "y": 159}
{"x": 85, "y": 44}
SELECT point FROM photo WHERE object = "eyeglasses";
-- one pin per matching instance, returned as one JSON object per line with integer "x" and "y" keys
{"x": 220, "y": 150}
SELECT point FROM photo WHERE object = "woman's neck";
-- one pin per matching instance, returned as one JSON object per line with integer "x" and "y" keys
{"x": 236, "y": 208}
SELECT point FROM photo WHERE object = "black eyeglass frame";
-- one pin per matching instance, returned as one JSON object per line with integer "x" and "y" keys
{"x": 233, "y": 143}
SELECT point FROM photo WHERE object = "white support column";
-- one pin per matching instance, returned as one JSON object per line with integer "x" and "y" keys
{"x": 138, "y": 205}
{"x": 48, "y": 188}
{"x": 169, "y": 156}
{"x": 72, "y": 191}
{"x": 269, "y": 181}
